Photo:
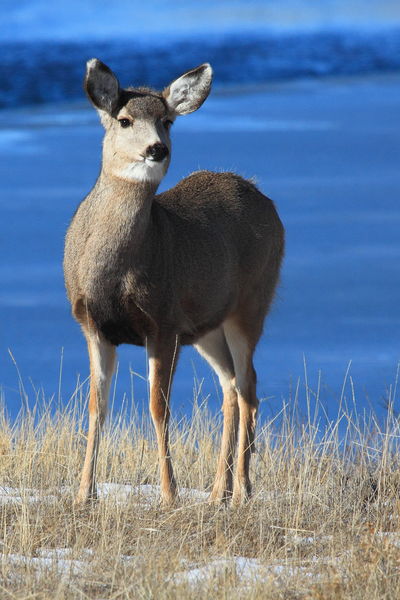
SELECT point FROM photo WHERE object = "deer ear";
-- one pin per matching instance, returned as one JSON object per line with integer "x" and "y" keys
{"x": 101, "y": 86}
{"x": 187, "y": 93}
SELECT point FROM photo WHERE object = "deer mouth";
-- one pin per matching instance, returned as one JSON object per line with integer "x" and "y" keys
{"x": 152, "y": 162}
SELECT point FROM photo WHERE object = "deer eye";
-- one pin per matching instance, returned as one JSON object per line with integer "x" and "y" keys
{"x": 124, "y": 123}
{"x": 167, "y": 124}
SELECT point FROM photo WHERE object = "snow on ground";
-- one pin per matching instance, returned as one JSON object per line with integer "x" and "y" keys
{"x": 392, "y": 537}
{"x": 146, "y": 494}
{"x": 10, "y": 495}
{"x": 247, "y": 570}
{"x": 65, "y": 566}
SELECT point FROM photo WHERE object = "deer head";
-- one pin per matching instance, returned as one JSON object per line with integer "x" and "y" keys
{"x": 137, "y": 121}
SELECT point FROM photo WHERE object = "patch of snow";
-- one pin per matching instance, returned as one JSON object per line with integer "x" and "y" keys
{"x": 193, "y": 494}
{"x": 42, "y": 563}
{"x": 392, "y": 536}
{"x": 146, "y": 494}
{"x": 248, "y": 570}
{"x": 62, "y": 553}
{"x": 9, "y": 495}
{"x": 59, "y": 559}
{"x": 117, "y": 491}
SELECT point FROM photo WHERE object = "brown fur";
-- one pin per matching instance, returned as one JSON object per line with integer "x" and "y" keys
{"x": 197, "y": 264}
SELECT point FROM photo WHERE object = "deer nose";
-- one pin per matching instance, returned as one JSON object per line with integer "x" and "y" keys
{"x": 157, "y": 152}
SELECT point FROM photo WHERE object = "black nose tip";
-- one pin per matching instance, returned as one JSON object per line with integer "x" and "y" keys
{"x": 157, "y": 151}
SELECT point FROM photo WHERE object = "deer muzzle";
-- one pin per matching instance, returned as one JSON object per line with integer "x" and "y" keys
{"x": 157, "y": 152}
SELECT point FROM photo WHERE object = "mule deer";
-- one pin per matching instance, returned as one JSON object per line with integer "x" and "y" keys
{"x": 197, "y": 264}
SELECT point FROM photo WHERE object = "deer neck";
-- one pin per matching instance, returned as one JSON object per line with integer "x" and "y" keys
{"x": 124, "y": 209}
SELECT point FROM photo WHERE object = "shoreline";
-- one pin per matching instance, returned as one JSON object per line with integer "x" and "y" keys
{"x": 221, "y": 91}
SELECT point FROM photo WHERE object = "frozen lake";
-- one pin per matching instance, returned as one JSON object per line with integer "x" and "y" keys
{"x": 327, "y": 152}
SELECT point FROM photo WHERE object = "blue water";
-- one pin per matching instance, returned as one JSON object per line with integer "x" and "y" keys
{"x": 326, "y": 150}
{"x": 328, "y": 154}
{"x": 100, "y": 19}
{"x": 43, "y": 47}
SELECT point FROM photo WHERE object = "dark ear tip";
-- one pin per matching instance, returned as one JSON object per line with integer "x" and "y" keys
{"x": 91, "y": 64}
{"x": 205, "y": 68}
{"x": 94, "y": 64}
{"x": 101, "y": 85}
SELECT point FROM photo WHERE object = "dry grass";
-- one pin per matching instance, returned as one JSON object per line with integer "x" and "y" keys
{"x": 322, "y": 523}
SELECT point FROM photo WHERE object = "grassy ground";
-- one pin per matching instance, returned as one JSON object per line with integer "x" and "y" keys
{"x": 323, "y": 523}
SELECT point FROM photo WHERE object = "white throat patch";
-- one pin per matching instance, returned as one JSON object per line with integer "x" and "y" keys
{"x": 144, "y": 170}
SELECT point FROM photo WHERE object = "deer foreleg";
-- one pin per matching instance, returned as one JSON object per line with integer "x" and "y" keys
{"x": 162, "y": 361}
{"x": 102, "y": 360}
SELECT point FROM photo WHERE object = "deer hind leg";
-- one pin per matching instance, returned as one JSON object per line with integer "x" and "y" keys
{"x": 102, "y": 362}
{"x": 162, "y": 361}
{"x": 241, "y": 346}
{"x": 214, "y": 349}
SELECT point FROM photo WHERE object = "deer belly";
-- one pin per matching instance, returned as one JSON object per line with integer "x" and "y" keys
{"x": 199, "y": 320}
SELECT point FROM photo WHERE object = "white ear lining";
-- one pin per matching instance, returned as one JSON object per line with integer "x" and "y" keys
{"x": 187, "y": 93}
{"x": 180, "y": 90}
